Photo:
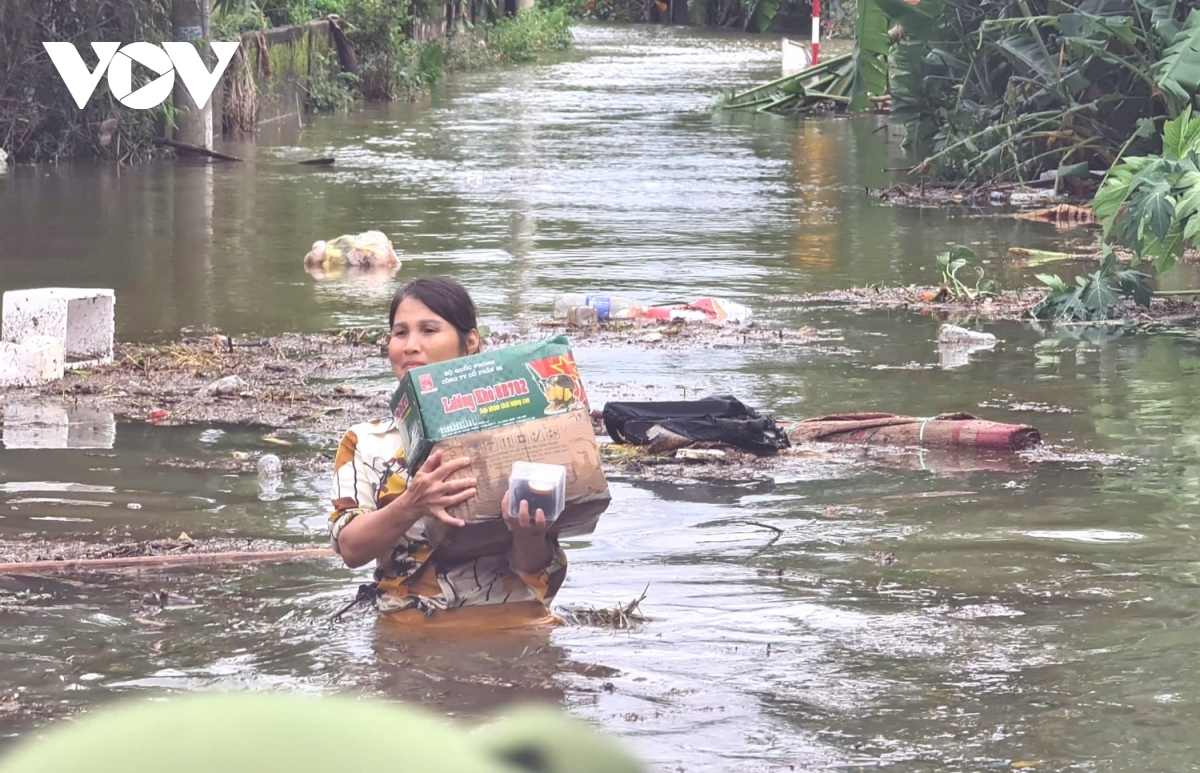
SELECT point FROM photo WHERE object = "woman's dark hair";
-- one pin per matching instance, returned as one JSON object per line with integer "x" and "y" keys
{"x": 445, "y": 298}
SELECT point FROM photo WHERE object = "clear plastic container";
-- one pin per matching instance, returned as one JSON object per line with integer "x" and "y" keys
{"x": 606, "y": 306}
{"x": 542, "y": 485}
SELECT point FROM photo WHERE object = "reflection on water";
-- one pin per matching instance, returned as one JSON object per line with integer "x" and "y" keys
{"x": 53, "y": 426}
{"x": 828, "y": 609}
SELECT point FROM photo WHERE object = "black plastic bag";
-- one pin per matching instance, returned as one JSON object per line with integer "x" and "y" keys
{"x": 721, "y": 419}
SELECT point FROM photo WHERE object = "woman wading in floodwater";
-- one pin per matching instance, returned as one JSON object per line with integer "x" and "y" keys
{"x": 380, "y": 512}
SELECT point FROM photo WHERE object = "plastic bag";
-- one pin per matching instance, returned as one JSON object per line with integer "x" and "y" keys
{"x": 367, "y": 249}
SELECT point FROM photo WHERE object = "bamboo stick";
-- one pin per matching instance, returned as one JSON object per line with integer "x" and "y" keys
{"x": 183, "y": 559}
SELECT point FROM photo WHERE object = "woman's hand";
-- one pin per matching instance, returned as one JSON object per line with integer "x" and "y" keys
{"x": 372, "y": 534}
{"x": 524, "y": 526}
{"x": 531, "y": 553}
{"x": 429, "y": 493}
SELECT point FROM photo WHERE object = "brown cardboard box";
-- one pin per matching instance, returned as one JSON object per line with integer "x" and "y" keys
{"x": 566, "y": 439}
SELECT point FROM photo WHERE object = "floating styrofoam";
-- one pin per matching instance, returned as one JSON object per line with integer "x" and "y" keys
{"x": 36, "y": 360}
{"x": 83, "y": 318}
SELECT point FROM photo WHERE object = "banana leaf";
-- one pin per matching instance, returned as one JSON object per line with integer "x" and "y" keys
{"x": 762, "y": 13}
{"x": 1178, "y": 72}
{"x": 872, "y": 43}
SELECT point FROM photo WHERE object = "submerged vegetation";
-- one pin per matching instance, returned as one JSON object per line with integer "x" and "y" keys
{"x": 1008, "y": 90}
{"x": 39, "y": 120}
{"x": 1095, "y": 296}
{"x": 957, "y": 259}
{"x": 854, "y": 81}
{"x": 1151, "y": 204}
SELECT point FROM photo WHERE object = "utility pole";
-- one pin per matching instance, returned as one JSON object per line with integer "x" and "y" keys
{"x": 193, "y": 125}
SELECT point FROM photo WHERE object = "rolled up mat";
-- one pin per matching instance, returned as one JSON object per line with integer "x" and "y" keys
{"x": 947, "y": 430}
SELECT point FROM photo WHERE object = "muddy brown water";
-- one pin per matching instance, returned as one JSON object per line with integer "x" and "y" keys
{"x": 916, "y": 612}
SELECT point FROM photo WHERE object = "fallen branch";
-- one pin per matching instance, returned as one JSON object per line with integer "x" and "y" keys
{"x": 194, "y": 149}
{"x": 147, "y": 562}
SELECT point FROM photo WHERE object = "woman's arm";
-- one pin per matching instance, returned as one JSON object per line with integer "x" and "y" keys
{"x": 536, "y": 558}
{"x": 532, "y": 552}
{"x": 370, "y": 535}
{"x": 361, "y": 535}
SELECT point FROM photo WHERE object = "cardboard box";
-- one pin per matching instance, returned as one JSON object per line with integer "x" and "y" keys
{"x": 485, "y": 391}
{"x": 566, "y": 438}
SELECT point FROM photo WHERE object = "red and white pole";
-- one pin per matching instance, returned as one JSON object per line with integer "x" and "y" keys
{"x": 816, "y": 36}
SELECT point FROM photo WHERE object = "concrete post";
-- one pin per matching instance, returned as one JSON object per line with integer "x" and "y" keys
{"x": 193, "y": 124}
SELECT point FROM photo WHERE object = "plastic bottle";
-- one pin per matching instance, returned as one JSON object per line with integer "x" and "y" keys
{"x": 270, "y": 476}
{"x": 606, "y": 306}
{"x": 269, "y": 467}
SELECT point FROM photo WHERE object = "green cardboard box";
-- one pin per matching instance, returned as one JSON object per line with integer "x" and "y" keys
{"x": 483, "y": 391}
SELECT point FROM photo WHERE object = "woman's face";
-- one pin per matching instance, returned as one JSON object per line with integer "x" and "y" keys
{"x": 420, "y": 337}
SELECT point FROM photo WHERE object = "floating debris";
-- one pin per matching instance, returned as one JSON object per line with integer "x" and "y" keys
{"x": 620, "y": 617}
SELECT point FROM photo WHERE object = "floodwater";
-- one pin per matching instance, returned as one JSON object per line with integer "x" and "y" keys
{"x": 836, "y": 612}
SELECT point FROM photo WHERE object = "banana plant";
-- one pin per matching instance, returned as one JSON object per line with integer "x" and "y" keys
{"x": 1004, "y": 90}
{"x": 872, "y": 44}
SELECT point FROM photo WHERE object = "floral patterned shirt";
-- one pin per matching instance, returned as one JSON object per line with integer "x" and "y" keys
{"x": 368, "y": 473}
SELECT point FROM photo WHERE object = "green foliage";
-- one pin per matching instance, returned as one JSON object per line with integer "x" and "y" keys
{"x": 1094, "y": 297}
{"x": 957, "y": 259}
{"x": 841, "y": 19}
{"x": 1177, "y": 74}
{"x": 759, "y": 14}
{"x": 329, "y": 90}
{"x": 376, "y": 30}
{"x": 753, "y": 15}
{"x": 228, "y": 20}
{"x": 872, "y": 44}
{"x": 1151, "y": 204}
{"x": 419, "y": 65}
{"x": 572, "y": 8}
{"x": 522, "y": 37}
{"x": 614, "y": 10}
{"x": 39, "y": 120}
{"x": 993, "y": 90}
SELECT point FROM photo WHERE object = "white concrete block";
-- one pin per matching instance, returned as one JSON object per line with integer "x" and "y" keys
{"x": 56, "y": 426}
{"x": 82, "y": 317}
{"x": 36, "y": 360}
